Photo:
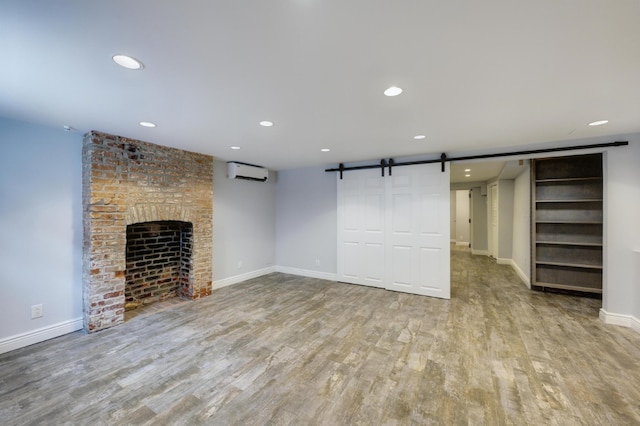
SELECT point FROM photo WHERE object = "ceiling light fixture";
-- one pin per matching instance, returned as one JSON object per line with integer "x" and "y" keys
{"x": 68, "y": 128}
{"x": 467, "y": 170}
{"x": 266, "y": 123}
{"x": 127, "y": 62}
{"x": 467, "y": 175}
{"x": 418, "y": 137}
{"x": 147, "y": 124}
{"x": 325, "y": 150}
{"x": 234, "y": 147}
{"x": 598, "y": 123}
{"x": 393, "y": 91}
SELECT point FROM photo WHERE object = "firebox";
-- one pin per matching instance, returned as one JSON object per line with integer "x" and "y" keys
{"x": 158, "y": 262}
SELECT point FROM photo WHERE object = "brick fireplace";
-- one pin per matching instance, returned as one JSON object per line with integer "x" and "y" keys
{"x": 146, "y": 187}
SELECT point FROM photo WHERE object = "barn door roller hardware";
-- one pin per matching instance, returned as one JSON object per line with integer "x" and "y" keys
{"x": 444, "y": 159}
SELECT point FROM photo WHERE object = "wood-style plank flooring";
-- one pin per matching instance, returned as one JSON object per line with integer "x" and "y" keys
{"x": 286, "y": 350}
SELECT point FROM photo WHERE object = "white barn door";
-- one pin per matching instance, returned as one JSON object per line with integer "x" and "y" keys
{"x": 417, "y": 231}
{"x": 361, "y": 228}
{"x": 393, "y": 232}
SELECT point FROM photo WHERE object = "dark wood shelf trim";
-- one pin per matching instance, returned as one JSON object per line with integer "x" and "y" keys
{"x": 568, "y": 265}
{"x": 569, "y": 287}
{"x": 572, "y": 222}
{"x": 573, "y": 179}
{"x": 582, "y": 200}
{"x": 569, "y": 243}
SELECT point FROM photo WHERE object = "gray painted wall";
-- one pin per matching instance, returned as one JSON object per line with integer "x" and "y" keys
{"x": 521, "y": 246}
{"x": 244, "y": 224}
{"x": 40, "y": 226}
{"x": 307, "y": 221}
{"x": 480, "y": 221}
{"x": 452, "y": 215}
{"x": 622, "y": 228}
{"x": 505, "y": 218}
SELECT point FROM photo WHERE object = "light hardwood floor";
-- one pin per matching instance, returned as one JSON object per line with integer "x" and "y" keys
{"x": 286, "y": 350}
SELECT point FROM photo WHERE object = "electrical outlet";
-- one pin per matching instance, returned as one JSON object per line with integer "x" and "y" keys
{"x": 36, "y": 311}
{"x": 317, "y": 262}
{"x": 239, "y": 264}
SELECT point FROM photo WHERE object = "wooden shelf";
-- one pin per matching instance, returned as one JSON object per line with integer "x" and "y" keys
{"x": 569, "y": 287}
{"x": 584, "y": 200}
{"x": 566, "y": 208}
{"x": 568, "y": 265}
{"x": 571, "y": 179}
{"x": 572, "y": 222}
{"x": 569, "y": 243}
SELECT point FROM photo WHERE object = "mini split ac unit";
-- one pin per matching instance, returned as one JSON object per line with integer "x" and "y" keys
{"x": 237, "y": 170}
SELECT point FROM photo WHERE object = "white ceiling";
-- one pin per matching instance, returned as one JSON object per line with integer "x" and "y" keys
{"x": 478, "y": 171}
{"x": 475, "y": 74}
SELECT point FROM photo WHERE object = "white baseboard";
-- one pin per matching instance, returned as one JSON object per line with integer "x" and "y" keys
{"x": 480, "y": 252}
{"x": 307, "y": 273}
{"x": 242, "y": 277}
{"x": 521, "y": 274}
{"x": 516, "y": 268}
{"x": 462, "y": 243}
{"x": 40, "y": 335}
{"x": 620, "y": 320}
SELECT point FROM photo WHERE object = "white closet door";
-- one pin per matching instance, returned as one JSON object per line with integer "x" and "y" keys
{"x": 361, "y": 212}
{"x": 417, "y": 230}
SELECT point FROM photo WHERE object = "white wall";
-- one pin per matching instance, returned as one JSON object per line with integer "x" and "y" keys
{"x": 306, "y": 222}
{"x": 521, "y": 242}
{"x": 40, "y": 232}
{"x": 244, "y": 226}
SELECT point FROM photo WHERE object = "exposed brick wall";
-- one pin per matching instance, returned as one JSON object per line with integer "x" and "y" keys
{"x": 158, "y": 257}
{"x": 126, "y": 181}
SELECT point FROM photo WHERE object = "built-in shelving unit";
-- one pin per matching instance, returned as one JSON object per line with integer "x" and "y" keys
{"x": 566, "y": 201}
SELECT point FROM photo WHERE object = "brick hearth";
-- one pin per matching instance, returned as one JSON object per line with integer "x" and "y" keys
{"x": 126, "y": 181}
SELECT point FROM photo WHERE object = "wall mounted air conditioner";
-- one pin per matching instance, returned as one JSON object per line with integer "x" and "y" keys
{"x": 237, "y": 170}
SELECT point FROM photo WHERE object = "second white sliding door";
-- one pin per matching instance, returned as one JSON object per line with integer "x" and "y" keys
{"x": 393, "y": 231}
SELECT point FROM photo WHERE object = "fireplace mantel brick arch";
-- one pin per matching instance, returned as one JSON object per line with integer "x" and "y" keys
{"x": 152, "y": 212}
{"x": 127, "y": 181}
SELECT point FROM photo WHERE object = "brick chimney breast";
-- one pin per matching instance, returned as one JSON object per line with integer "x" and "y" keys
{"x": 124, "y": 182}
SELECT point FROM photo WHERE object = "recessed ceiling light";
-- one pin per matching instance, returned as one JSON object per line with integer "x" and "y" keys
{"x": 598, "y": 123}
{"x": 266, "y": 123}
{"x": 147, "y": 124}
{"x": 467, "y": 170}
{"x": 234, "y": 147}
{"x": 325, "y": 150}
{"x": 467, "y": 175}
{"x": 393, "y": 91}
{"x": 418, "y": 137}
{"x": 127, "y": 62}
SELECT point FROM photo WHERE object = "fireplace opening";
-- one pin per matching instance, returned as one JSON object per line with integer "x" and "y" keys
{"x": 158, "y": 262}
